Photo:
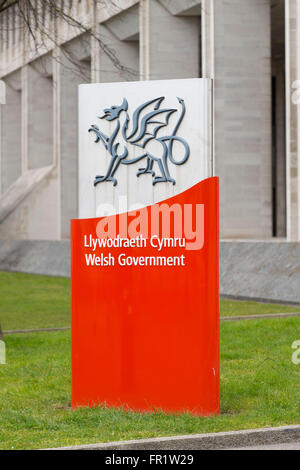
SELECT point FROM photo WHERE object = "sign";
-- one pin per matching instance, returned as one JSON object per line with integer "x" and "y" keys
{"x": 145, "y": 301}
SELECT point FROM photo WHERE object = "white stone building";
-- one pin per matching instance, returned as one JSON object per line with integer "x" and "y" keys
{"x": 251, "y": 48}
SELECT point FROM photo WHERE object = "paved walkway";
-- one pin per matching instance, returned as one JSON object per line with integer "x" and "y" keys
{"x": 261, "y": 317}
{"x": 283, "y": 437}
{"x": 284, "y": 446}
{"x": 38, "y": 330}
{"x": 222, "y": 319}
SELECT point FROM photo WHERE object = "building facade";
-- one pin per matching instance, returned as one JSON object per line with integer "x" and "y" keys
{"x": 251, "y": 48}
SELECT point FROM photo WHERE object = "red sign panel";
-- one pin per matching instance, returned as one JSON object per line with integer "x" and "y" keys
{"x": 145, "y": 306}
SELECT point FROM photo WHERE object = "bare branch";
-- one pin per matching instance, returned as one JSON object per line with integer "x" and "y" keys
{"x": 45, "y": 35}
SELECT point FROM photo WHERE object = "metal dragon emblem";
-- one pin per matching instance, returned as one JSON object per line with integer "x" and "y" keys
{"x": 141, "y": 130}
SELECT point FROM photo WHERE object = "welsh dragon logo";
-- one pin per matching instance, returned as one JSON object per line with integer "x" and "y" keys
{"x": 141, "y": 131}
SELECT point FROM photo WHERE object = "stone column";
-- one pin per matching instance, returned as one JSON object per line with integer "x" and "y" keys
{"x": 2, "y": 101}
{"x": 38, "y": 107}
{"x": 2, "y": 92}
{"x": 169, "y": 44}
{"x": 278, "y": 118}
{"x": 242, "y": 133}
{"x": 207, "y": 39}
{"x": 69, "y": 72}
{"x": 292, "y": 17}
{"x": 11, "y": 133}
{"x": 280, "y": 163}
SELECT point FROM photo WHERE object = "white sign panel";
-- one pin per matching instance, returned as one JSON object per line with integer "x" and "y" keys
{"x": 141, "y": 142}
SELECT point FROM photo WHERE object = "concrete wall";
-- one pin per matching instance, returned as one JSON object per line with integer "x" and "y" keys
{"x": 36, "y": 257}
{"x": 257, "y": 270}
{"x": 27, "y": 144}
{"x": 121, "y": 62}
{"x": 36, "y": 216}
{"x": 261, "y": 270}
{"x": 160, "y": 39}
{"x": 242, "y": 41}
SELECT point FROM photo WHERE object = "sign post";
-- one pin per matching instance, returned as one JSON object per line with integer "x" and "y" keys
{"x": 145, "y": 249}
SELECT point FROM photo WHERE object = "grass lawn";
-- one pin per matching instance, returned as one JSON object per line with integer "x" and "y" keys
{"x": 232, "y": 308}
{"x": 259, "y": 387}
{"x": 32, "y": 301}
